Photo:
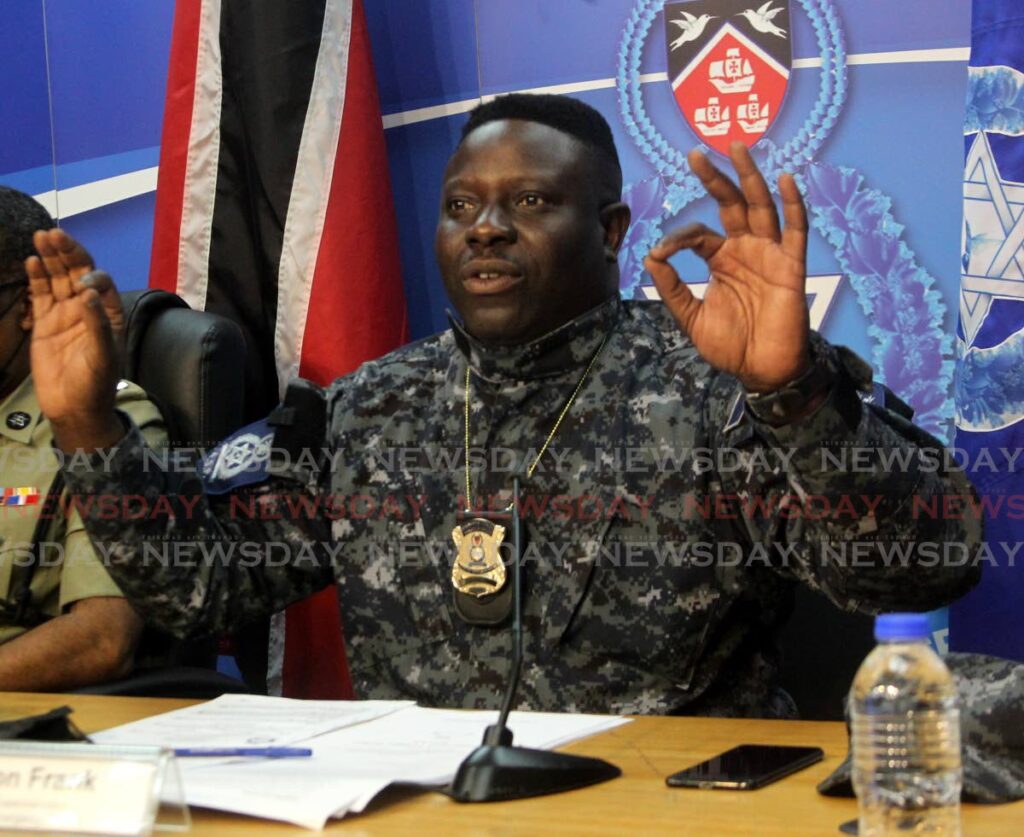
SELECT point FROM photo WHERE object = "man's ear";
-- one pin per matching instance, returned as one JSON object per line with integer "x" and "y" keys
{"x": 615, "y": 220}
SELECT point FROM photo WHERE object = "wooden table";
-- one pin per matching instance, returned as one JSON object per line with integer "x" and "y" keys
{"x": 638, "y": 802}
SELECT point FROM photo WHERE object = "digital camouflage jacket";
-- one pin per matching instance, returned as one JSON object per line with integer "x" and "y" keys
{"x": 665, "y": 526}
{"x": 991, "y": 696}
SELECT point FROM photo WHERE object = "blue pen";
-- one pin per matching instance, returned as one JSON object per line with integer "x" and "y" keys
{"x": 257, "y": 752}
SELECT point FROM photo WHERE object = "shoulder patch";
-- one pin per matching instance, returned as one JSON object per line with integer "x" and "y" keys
{"x": 876, "y": 396}
{"x": 882, "y": 396}
{"x": 243, "y": 458}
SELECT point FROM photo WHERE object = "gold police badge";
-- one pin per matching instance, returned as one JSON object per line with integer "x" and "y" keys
{"x": 478, "y": 570}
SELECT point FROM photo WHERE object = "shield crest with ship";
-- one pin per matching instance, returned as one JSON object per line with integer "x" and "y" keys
{"x": 729, "y": 64}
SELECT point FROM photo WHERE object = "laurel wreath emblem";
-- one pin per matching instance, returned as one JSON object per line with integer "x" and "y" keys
{"x": 912, "y": 353}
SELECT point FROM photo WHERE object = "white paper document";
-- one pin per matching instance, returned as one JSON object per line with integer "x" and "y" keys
{"x": 247, "y": 721}
{"x": 351, "y": 764}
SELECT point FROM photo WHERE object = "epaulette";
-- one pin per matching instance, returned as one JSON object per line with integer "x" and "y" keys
{"x": 884, "y": 397}
{"x": 869, "y": 390}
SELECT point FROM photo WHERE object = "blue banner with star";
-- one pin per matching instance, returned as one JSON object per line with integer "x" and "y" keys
{"x": 989, "y": 382}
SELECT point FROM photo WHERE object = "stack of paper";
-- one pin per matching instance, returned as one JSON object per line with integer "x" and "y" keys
{"x": 359, "y": 748}
{"x": 248, "y": 721}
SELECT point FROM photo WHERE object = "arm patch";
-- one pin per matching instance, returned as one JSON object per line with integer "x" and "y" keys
{"x": 288, "y": 443}
{"x": 242, "y": 459}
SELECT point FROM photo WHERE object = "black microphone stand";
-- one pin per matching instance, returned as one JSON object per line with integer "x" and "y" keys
{"x": 496, "y": 770}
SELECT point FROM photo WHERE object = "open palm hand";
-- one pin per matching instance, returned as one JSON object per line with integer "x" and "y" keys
{"x": 77, "y": 323}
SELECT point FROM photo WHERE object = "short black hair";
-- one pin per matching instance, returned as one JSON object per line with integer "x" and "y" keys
{"x": 20, "y": 216}
{"x": 563, "y": 113}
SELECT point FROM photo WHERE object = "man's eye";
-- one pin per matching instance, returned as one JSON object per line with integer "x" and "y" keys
{"x": 532, "y": 199}
{"x": 457, "y": 205}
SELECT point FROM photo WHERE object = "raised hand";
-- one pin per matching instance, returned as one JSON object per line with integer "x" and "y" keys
{"x": 753, "y": 321}
{"x": 76, "y": 331}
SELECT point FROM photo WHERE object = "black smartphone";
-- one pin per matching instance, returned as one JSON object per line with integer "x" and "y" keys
{"x": 746, "y": 767}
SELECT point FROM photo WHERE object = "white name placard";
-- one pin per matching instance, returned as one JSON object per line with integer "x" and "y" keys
{"x": 80, "y": 788}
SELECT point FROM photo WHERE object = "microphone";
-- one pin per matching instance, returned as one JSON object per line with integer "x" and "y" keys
{"x": 496, "y": 770}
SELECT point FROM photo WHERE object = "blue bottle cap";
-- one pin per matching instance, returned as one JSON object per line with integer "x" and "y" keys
{"x": 896, "y": 627}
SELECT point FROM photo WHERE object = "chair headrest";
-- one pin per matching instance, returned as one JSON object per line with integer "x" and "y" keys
{"x": 140, "y": 308}
{"x": 189, "y": 362}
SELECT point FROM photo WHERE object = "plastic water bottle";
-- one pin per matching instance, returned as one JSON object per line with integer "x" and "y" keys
{"x": 906, "y": 734}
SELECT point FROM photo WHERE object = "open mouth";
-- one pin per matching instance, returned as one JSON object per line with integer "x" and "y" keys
{"x": 485, "y": 282}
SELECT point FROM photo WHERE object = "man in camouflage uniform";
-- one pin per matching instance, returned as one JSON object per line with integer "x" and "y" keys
{"x": 63, "y": 621}
{"x": 650, "y": 583}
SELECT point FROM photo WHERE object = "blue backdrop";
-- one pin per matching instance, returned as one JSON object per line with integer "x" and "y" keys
{"x": 990, "y": 387}
{"x": 872, "y": 125}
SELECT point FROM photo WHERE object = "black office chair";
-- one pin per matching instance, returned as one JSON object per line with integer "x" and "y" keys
{"x": 822, "y": 648}
{"x": 190, "y": 364}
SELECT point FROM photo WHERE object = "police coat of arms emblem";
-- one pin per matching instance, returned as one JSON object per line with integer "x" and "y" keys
{"x": 729, "y": 64}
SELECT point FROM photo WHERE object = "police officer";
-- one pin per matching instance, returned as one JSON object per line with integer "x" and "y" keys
{"x": 548, "y": 364}
{"x": 63, "y": 621}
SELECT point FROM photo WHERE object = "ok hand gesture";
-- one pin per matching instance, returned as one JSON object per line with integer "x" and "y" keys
{"x": 753, "y": 321}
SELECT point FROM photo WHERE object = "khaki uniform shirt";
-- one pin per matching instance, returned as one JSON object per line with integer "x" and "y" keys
{"x": 69, "y": 568}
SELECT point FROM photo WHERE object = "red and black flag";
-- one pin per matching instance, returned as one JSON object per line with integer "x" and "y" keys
{"x": 274, "y": 209}
{"x": 273, "y": 201}
{"x": 729, "y": 64}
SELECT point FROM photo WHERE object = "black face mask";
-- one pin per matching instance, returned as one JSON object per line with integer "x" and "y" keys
{"x": 5, "y": 369}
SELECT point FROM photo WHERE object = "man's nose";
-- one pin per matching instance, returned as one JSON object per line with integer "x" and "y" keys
{"x": 491, "y": 226}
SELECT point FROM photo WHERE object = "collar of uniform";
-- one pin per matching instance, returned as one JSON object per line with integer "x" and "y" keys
{"x": 569, "y": 347}
{"x": 22, "y": 400}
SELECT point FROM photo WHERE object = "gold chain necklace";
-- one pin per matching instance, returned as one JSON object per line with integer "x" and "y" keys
{"x": 478, "y": 570}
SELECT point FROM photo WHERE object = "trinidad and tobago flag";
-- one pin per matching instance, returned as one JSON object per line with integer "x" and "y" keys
{"x": 729, "y": 63}
{"x": 274, "y": 209}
